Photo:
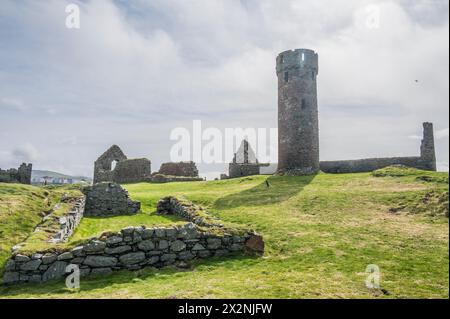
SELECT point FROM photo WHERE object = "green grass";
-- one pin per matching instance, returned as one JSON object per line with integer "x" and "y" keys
{"x": 320, "y": 232}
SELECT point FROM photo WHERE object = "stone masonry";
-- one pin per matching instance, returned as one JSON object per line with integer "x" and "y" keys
{"x": 298, "y": 128}
{"x": 108, "y": 199}
{"x": 134, "y": 248}
{"x": 125, "y": 170}
{"x": 298, "y": 124}
{"x": 244, "y": 162}
{"x": 187, "y": 169}
{"x": 426, "y": 160}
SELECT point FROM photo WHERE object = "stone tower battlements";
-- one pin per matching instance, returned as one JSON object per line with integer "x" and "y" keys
{"x": 298, "y": 119}
{"x": 292, "y": 60}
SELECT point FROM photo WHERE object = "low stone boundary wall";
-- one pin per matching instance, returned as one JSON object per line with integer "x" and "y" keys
{"x": 132, "y": 248}
{"x": 186, "y": 210}
{"x": 161, "y": 178}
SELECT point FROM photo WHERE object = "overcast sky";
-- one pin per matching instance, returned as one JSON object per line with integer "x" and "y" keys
{"x": 137, "y": 69}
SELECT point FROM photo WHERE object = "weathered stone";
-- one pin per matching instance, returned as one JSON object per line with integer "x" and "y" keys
{"x": 55, "y": 271}
{"x": 10, "y": 265}
{"x": 114, "y": 240}
{"x": 78, "y": 251}
{"x": 236, "y": 247}
{"x": 85, "y": 272}
{"x": 203, "y": 253}
{"x": 154, "y": 253}
{"x": 24, "y": 277}
{"x": 255, "y": 244}
{"x": 147, "y": 233}
{"x": 10, "y": 277}
{"x": 153, "y": 260}
{"x": 117, "y": 250}
{"x": 221, "y": 252}
{"x": 31, "y": 265}
{"x": 171, "y": 233}
{"x": 198, "y": 247}
{"x": 168, "y": 258}
{"x": 35, "y": 278}
{"x": 100, "y": 261}
{"x": 77, "y": 260}
{"x": 163, "y": 244}
{"x": 95, "y": 246}
{"x": 214, "y": 243}
{"x": 49, "y": 258}
{"x": 160, "y": 233}
{"x": 132, "y": 258}
{"x": 37, "y": 256}
{"x": 185, "y": 255}
{"x": 43, "y": 267}
{"x": 146, "y": 245}
{"x": 101, "y": 271}
{"x": 65, "y": 256}
{"x": 182, "y": 169}
{"x": 128, "y": 231}
{"x": 177, "y": 246}
{"x": 21, "y": 258}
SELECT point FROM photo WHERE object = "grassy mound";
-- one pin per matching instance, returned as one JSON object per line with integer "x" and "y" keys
{"x": 320, "y": 231}
{"x": 411, "y": 173}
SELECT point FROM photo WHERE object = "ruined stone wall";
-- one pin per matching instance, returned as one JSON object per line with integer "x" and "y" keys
{"x": 298, "y": 124}
{"x": 134, "y": 248}
{"x": 426, "y": 160}
{"x": 103, "y": 165}
{"x": 239, "y": 170}
{"x": 21, "y": 175}
{"x": 427, "y": 151}
{"x": 69, "y": 222}
{"x": 132, "y": 171}
{"x": 179, "y": 169}
{"x": 370, "y": 164}
{"x": 108, "y": 199}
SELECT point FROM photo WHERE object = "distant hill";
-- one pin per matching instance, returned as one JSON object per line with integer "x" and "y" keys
{"x": 38, "y": 174}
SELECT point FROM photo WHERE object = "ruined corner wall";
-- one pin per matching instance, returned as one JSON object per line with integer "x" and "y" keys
{"x": 108, "y": 199}
{"x": 132, "y": 171}
{"x": 188, "y": 169}
{"x": 239, "y": 170}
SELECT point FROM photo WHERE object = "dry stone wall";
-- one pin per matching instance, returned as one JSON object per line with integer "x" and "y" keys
{"x": 134, "y": 248}
{"x": 109, "y": 199}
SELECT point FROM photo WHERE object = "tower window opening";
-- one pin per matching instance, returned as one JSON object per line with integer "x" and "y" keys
{"x": 286, "y": 77}
{"x": 313, "y": 75}
{"x": 282, "y": 59}
{"x": 303, "y": 104}
{"x": 303, "y": 57}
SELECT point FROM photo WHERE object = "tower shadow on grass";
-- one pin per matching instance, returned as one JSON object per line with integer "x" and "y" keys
{"x": 280, "y": 189}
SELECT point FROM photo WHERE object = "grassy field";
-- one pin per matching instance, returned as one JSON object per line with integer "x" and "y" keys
{"x": 321, "y": 232}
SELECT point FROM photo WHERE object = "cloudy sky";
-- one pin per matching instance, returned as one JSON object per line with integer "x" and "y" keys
{"x": 137, "y": 69}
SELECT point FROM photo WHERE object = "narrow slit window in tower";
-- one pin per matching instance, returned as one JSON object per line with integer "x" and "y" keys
{"x": 303, "y": 57}
{"x": 286, "y": 77}
{"x": 303, "y": 104}
{"x": 282, "y": 59}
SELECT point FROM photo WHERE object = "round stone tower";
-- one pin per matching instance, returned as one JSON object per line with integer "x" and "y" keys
{"x": 298, "y": 122}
